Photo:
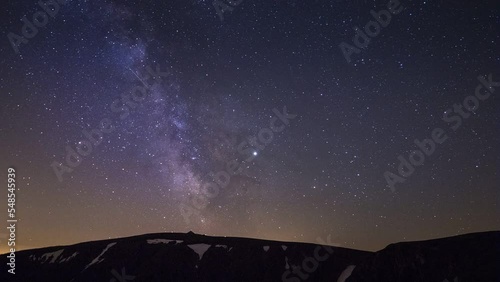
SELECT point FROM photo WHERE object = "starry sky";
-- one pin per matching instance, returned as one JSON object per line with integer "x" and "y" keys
{"x": 178, "y": 92}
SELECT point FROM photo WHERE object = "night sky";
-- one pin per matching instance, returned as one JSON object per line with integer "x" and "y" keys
{"x": 170, "y": 94}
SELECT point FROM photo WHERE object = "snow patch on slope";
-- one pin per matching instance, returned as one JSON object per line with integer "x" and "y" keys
{"x": 346, "y": 273}
{"x": 200, "y": 249}
{"x": 53, "y": 255}
{"x": 98, "y": 258}
{"x": 69, "y": 258}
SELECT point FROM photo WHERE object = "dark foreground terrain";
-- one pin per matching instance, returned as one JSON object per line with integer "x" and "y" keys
{"x": 191, "y": 257}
